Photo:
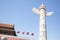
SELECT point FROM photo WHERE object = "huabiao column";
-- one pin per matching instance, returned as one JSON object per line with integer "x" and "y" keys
{"x": 42, "y": 23}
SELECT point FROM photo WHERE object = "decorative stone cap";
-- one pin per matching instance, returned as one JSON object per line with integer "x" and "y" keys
{"x": 42, "y": 6}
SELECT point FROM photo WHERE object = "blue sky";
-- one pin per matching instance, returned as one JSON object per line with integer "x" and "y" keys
{"x": 19, "y": 13}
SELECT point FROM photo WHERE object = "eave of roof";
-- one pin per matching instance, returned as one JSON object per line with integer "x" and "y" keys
{"x": 7, "y": 25}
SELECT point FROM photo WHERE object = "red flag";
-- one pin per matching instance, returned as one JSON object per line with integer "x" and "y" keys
{"x": 18, "y": 31}
{"x": 27, "y": 33}
{"x": 32, "y": 34}
{"x": 23, "y": 32}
